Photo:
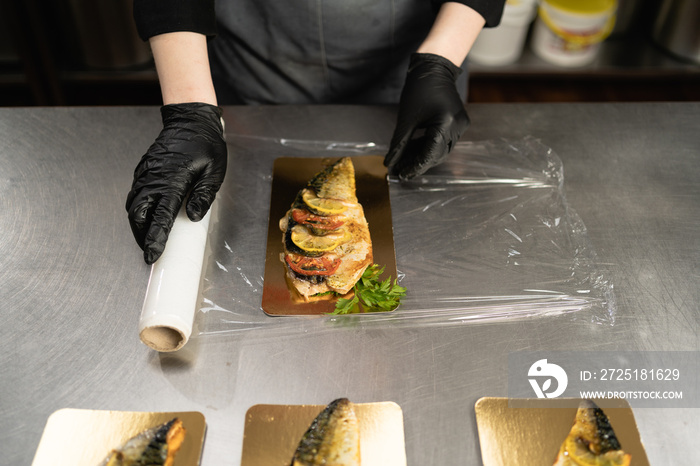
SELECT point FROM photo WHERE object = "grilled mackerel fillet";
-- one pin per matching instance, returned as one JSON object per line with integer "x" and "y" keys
{"x": 591, "y": 441}
{"x": 333, "y": 439}
{"x": 327, "y": 245}
{"x": 153, "y": 447}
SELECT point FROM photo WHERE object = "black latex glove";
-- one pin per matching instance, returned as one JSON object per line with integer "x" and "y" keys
{"x": 189, "y": 156}
{"x": 430, "y": 102}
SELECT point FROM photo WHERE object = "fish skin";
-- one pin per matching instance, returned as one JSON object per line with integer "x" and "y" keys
{"x": 333, "y": 439}
{"x": 152, "y": 447}
{"x": 337, "y": 181}
{"x": 595, "y": 439}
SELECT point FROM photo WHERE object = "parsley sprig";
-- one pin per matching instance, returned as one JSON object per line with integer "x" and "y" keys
{"x": 371, "y": 295}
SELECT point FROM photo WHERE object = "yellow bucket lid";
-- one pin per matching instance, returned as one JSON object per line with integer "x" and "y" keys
{"x": 584, "y": 6}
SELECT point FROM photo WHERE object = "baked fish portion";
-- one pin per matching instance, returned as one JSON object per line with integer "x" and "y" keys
{"x": 153, "y": 447}
{"x": 591, "y": 441}
{"x": 336, "y": 181}
{"x": 333, "y": 439}
{"x": 327, "y": 244}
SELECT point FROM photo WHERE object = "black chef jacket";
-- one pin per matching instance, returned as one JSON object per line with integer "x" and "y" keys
{"x": 305, "y": 51}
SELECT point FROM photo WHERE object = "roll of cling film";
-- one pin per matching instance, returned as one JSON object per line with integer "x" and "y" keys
{"x": 578, "y": 40}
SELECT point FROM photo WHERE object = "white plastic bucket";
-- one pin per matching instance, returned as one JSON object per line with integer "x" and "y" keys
{"x": 503, "y": 44}
{"x": 569, "y": 32}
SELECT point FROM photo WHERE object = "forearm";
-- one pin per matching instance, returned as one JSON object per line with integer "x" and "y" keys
{"x": 183, "y": 67}
{"x": 453, "y": 33}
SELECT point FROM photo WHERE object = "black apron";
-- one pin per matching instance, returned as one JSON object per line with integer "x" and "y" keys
{"x": 316, "y": 51}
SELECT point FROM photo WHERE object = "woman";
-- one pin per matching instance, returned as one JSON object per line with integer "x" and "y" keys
{"x": 292, "y": 52}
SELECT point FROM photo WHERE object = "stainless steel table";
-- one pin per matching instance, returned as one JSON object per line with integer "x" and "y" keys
{"x": 72, "y": 281}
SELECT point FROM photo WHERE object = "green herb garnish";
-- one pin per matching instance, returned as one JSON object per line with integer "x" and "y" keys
{"x": 371, "y": 295}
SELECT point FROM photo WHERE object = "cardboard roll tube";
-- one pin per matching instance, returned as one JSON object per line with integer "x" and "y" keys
{"x": 168, "y": 312}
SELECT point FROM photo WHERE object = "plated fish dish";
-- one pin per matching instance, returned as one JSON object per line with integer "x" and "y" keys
{"x": 591, "y": 441}
{"x": 333, "y": 438}
{"x": 156, "y": 446}
{"x": 327, "y": 244}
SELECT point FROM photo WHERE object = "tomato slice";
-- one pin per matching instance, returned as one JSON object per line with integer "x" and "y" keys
{"x": 312, "y": 265}
{"x": 329, "y": 222}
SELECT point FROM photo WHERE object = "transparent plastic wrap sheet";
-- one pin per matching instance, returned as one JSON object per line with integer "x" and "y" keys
{"x": 487, "y": 235}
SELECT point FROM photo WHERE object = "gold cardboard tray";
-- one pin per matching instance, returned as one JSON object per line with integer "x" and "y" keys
{"x": 272, "y": 433}
{"x": 532, "y": 436}
{"x": 82, "y": 437}
{"x": 291, "y": 174}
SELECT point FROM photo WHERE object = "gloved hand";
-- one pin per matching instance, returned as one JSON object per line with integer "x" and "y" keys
{"x": 188, "y": 157}
{"x": 429, "y": 101}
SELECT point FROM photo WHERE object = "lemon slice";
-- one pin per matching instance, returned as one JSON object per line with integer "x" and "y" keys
{"x": 322, "y": 206}
{"x": 302, "y": 237}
